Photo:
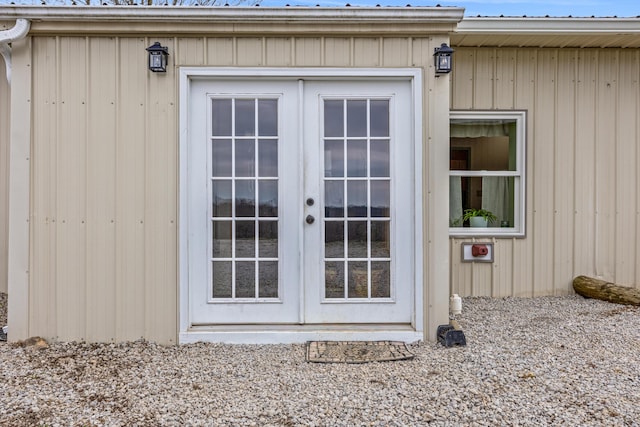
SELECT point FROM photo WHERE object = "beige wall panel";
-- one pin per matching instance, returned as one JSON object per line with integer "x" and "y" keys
{"x": 505, "y": 78}
{"x": 279, "y": 51}
{"x": 564, "y": 167}
{"x": 542, "y": 171}
{"x": 101, "y": 190}
{"x": 483, "y": 79}
{"x": 366, "y": 52}
{"x": 220, "y": 51}
{"x": 337, "y": 52}
{"x": 42, "y": 313}
{"x": 502, "y": 268}
{"x": 130, "y": 188}
{"x": 627, "y": 167}
{"x": 584, "y": 256}
{"x": 308, "y": 51}
{"x": 5, "y": 100}
{"x": 190, "y": 52}
{"x": 606, "y": 145}
{"x": 161, "y": 198}
{"x": 461, "y": 272}
{"x": 462, "y": 79}
{"x": 71, "y": 191}
{"x": 250, "y": 51}
{"x": 395, "y": 52}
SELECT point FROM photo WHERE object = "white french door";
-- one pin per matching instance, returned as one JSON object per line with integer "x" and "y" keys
{"x": 300, "y": 202}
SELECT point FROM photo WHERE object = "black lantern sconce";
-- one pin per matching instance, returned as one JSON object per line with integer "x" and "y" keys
{"x": 158, "y": 58}
{"x": 443, "y": 57}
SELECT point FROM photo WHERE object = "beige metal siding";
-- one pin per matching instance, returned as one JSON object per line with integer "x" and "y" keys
{"x": 4, "y": 175}
{"x": 104, "y": 235}
{"x": 583, "y": 179}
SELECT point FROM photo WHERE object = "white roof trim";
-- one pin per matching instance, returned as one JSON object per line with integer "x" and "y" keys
{"x": 549, "y": 26}
{"x": 449, "y": 15}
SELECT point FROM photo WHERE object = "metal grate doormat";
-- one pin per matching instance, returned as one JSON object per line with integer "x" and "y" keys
{"x": 356, "y": 351}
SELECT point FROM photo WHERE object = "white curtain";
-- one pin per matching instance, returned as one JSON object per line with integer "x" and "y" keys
{"x": 455, "y": 201}
{"x": 478, "y": 130}
{"x": 495, "y": 197}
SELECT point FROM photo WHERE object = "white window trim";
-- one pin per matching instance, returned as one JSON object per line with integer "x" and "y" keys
{"x": 520, "y": 197}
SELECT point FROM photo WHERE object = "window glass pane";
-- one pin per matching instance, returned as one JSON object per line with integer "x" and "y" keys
{"x": 356, "y": 118}
{"x": 221, "y": 198}
{"x": 334, "y": 199}
{"x": 268, "y": 279}
{"x": 221, "y": 117}
{"x": 221, "y": 157}
{"x": 221, "y": 279}
{"x": 483, "y": 145}
{"x": 268, "y": 157}
{"x": 334, "y": 239}
{"x": 494, "y": 194}
{"x": 267, "y": 117}
{"x": 245, "y": 279}
{"x": 379, "y": 118}
{"x": 245, "y": 239}
{"x": 357, "y": 158}
{"x": 333, "y": 159}
{"x": 245, "y": 158}
{"x": 379, "y": 158}
{"x": 333, "y": 119}
{"x": 245, "y": 117}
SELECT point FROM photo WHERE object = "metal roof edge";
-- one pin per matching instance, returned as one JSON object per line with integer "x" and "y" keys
{"x": 539, "y": 25}
{"x": 448, "y": 15}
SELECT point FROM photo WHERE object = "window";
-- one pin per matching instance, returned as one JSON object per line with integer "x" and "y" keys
{"x": 486, "y": 173}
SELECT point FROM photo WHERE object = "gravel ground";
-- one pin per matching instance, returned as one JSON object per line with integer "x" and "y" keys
{"x": 541, "y": 361}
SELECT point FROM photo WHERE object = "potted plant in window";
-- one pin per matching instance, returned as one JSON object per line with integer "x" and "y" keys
{"x": 478, "y": 217}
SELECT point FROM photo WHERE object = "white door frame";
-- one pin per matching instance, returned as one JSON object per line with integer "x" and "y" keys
{"x": 294, "y": 333}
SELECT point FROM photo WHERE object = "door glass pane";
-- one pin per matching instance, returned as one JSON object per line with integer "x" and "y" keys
{"x": 244, "y": 246}
{"x": 268, "y": 279}
{"x": 245, "y": 158}
{"x": 334, "y": 199}
{"x": 221, "y": 157}
{"x": 357, "y": 243}
{"x": 222, "y": 279}
{"x": 380, "y": 198}
{"x": 380, "y": 239}
{"x": 333, "y": 158}
{"x": 356, "y": 118}
{"x": 221, "y": 119}
{"x": 380, "y": 158}
{"x": 357, "y": 198}
{"x": 380, "y": 279}
{"x": 221, "y": 198}
{"x": 334, "y": 239}
{"x": 379, "y": 118}
{"x": 334, "y": 279}
{"x": 333, "y": 118}
{"x": 358, "y": 279}
{"x": 356, "y": 158}
{"x": 245, "y": 117}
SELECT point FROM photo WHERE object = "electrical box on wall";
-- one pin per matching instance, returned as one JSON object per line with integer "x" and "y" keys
{"x": 477, "y": 252}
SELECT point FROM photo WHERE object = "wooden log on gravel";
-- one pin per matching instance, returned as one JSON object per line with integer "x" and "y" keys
{"x": 606, "y": 291}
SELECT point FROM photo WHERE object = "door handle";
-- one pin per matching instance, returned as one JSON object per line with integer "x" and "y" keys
{"x": 310, "y": 219}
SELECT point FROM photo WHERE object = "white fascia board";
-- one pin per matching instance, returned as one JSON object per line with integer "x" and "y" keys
{"x": 237, "y": 14}
{"x": 548, "y": 26}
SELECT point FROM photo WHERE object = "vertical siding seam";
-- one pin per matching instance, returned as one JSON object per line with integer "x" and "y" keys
{"x": 118, "y": 223}
{"x": 57, "y": 157}
{"x": 234, "y": 51}
{"x": 205, "y": 50}
{"x": 322, "y": 51}
{"x": 616, "y": 149}
{"x": 534, "y": 102}
{"x": 87, "y": 66}
{"x": 554, "y": 221}
{"x": 264, "y": 51}
{"x": 596, "y": 197}
{"x": 380, "y": 51}
{"x": 637, "y": 171}
{"x": 145, "y": 328}
{"x": 352, "y": 51}
{"x": 494, "y": 78}
{"x": 576, "y": 79}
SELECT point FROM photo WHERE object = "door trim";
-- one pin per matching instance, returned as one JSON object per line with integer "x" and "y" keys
{"x": 277, "y": 334}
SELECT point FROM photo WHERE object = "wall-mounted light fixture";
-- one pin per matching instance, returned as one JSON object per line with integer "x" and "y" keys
{"x": 443, "y": 57}
{"x": 158, "y": 57}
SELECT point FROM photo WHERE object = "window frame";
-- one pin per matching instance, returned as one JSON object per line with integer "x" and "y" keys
{"x": 519, "y": 209}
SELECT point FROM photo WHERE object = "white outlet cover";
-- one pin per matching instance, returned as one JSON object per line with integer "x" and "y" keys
{"x": 467, "y": 253}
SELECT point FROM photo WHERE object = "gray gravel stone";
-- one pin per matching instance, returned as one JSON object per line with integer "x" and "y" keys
{"x": 541, "y": 361}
